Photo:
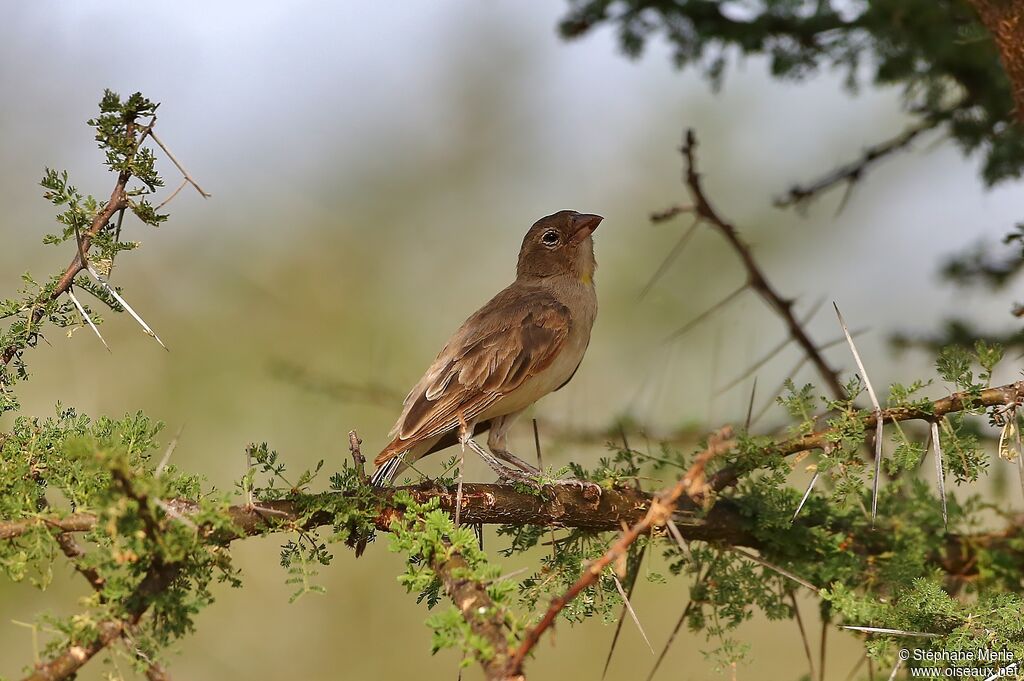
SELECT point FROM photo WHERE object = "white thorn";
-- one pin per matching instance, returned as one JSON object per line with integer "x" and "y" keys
{"x": 807, "y": 493}
{"x": 167, "y": 453}
{"x": 940, "y": 471}
{"x": 878, "y": 412}
{"x": 85, "y": 316}
{"x": 856, "y": 358}
{"x": 878, "y": 468}
{"x": 678, "y": 536}
{"x": 893, "y": 632}
{"x": 899, "y": 663}
{"x": 632, "y": 613}
{"x": 124, "y": 303}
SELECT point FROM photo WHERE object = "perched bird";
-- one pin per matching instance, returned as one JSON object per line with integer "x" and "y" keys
{"x": 526, "y": 342}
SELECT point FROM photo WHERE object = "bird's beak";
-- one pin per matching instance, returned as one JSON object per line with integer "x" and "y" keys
{"x": 583, "y": 225}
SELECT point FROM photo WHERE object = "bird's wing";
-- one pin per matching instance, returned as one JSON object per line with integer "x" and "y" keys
{"x": 515, "y": 336}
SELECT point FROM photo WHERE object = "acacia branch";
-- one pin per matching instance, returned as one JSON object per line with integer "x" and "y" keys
{"x": 853, "y": 172}
{"x": 1004, "y": 395}
{"x": 117, "y": 203}
{"x": 756, "y": 279}
{"x": 658, "y": 513}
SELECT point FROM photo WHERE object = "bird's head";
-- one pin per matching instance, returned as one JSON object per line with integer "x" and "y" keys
{"x": 560, "y": 244}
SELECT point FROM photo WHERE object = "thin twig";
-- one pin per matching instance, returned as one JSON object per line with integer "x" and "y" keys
{"x": 851, "y": 173}
{"x": 357, "y": 455}
{"x": 756, "y": 279}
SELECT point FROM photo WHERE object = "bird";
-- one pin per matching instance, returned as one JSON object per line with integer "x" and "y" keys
{"x": 523, "y": 344}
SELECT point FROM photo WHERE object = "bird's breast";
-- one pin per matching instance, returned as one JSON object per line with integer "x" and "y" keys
{"x": 565, "y": 362}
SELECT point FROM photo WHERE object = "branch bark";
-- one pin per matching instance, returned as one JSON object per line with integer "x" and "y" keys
{"x": 658, "y": 514}
{"x": 1004, "y": 19}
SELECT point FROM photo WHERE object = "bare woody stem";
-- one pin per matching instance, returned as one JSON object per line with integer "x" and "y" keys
{"x": 756, "y": 278}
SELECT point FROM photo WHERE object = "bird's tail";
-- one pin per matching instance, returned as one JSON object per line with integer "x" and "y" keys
{"x": 381, "y": 478}
{"x": 387, "y": 470}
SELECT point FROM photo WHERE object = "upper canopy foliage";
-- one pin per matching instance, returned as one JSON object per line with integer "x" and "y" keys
{"x": 936, "y": 51}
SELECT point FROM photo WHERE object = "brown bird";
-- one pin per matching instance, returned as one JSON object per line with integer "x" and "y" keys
{"x": 526, "y": 342}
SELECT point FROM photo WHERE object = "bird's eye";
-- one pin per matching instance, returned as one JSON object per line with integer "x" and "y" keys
{"x": 550, "y": 237}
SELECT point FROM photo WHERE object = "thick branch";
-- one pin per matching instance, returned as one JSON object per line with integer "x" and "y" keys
{"x": 477, "y": 608}
{"x": 658, "y": 514}
{"x": 1004, "y": 19}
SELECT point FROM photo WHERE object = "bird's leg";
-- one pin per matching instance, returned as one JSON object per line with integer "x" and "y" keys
{"x": 496, "y": 443}
{"x": 504, "y": 472}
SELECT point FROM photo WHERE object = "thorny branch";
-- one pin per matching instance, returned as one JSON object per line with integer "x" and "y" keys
{"x": 559, "y": 505}
{"x": 116, "y": 205}
{"x": 477, "y": 608}
{"x": 659, "y": 512}
{"x": 159, "y": 576}
{"x": 756, "y": 279}
{"x": 852, "y": 172}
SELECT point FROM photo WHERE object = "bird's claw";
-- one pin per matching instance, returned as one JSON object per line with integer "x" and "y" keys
{"x": 590, "y": 490}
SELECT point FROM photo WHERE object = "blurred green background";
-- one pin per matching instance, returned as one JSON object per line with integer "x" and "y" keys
{"x": 373, "y": 168}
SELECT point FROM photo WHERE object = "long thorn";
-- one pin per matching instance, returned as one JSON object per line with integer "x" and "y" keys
{"x": 878, "y": 411}
{"x": 678, "y": 536}
{"x": 772, "y": 566}
{"x": 706, "y": 313}
{"x": 86, "y": 317}
{"x": 878, "y": 468}
{"x": 940, "y": 471}
{"x": 167, "y": 453}
{"x": 632, "y": 613}
{"x": 124, "y": 303}
{"x": 856, "y": 358}
{"x": 181, "y": 169}
{"x": 622, "y": 617}
{"x": 750, "y": 405}
{"x": 807, "y": 493}
{"x": 893, "y": 632}
{"x": 669, "y": 259}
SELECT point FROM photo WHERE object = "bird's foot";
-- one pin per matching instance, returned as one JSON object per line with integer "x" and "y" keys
{"x": 590, "y": 490}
